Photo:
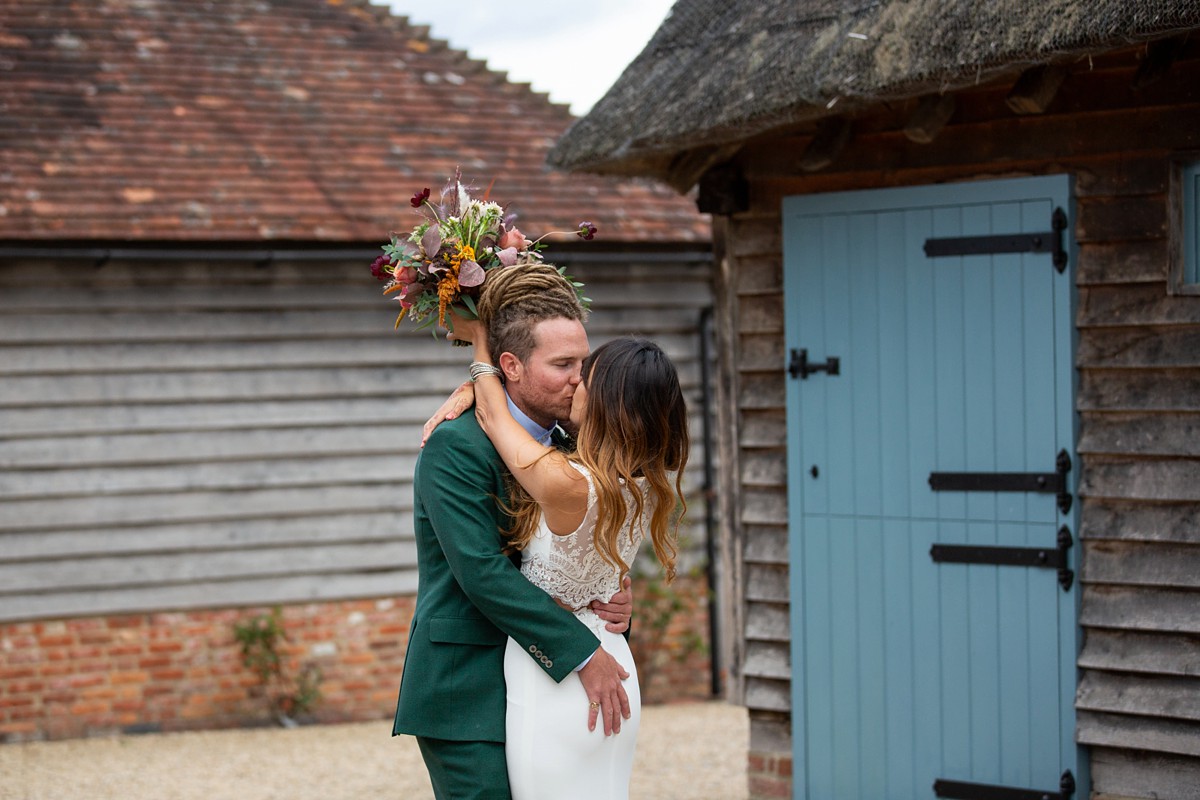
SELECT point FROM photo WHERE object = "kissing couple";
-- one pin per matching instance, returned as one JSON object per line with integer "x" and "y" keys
{"x": 518, "y": 681}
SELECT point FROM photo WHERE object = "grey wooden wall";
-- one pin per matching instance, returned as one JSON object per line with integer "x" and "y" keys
{"x": 182, "y": 434}
{"x": 1139, "y": 406}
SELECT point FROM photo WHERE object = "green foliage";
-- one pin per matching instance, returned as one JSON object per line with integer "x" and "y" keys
{"x": 262, "y": 639}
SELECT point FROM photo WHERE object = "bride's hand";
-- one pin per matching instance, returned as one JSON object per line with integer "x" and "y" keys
{"x": 459, "y": 401}
{"x": 465, "y": 330}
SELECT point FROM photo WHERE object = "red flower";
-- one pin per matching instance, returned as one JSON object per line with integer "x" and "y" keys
{"x": 586, "y": 231}
{"x": 420, "y": 197}
{"x": 377, "y": 268}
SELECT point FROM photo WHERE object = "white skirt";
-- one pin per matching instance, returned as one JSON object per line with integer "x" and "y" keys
{"x": 551, "y": 755}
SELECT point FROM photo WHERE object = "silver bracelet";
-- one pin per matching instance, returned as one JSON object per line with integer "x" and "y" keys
{"x": 478, "y": 369}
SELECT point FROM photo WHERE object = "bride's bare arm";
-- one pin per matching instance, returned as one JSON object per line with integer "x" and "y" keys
{"x": 559, "y": 489}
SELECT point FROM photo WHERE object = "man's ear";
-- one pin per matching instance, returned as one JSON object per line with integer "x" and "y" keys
{"x": 512, "y": 367}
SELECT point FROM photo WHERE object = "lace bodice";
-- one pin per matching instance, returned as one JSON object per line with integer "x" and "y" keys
{"x": 569, "y": 568}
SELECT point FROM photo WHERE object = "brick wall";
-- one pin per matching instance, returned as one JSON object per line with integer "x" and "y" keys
{"x": 670, "y": 640}
{"x": 174, "y": 671}
{"x": 770, "y": 775}
{"x": 183, "y": 670}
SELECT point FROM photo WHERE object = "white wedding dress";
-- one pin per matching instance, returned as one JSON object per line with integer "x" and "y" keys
{"x": 551, "y": 754}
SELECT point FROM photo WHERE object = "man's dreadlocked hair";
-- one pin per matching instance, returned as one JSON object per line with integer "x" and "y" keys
{"x": 515, "y": 299}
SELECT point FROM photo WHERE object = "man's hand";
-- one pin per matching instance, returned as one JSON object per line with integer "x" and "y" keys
{"x": 618, "y": 610}
{"x": 459, "y": 401}
{"x": 602, "y": 681}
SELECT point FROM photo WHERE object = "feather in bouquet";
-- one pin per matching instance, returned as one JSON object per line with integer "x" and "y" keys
{"x": 447, "y": 256}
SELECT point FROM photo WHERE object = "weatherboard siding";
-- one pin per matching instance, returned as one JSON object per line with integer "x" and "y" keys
{"x": 194, "y": 435}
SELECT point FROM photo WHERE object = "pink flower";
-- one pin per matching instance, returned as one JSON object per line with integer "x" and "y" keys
{"x": 407, "y": 275}
{"x": 586, "y": 231}
{"x": 507, "y": 256}
{"x": 513, "y": 238}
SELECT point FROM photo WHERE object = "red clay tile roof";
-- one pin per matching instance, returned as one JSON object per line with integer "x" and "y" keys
{"x": 248, "y": 120}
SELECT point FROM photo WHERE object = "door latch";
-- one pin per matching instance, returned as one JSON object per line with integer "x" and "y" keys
{"x": 801, "y": 368}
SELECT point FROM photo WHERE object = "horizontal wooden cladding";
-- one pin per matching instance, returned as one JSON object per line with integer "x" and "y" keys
{"x": 1140, "y": 433}
{"x": 1140, "y": 390}
{"x": 767, "y": 621}
{"x": 763, "y": 506}
{"x": 767, "y": 660}
{"x": 764, "y": 468}
{"x": 762, "y": 352}
{"x": 764, "y": 428}
{"x": 1165, "y": 697}
{"x": 1141, "y": 733}
{"x": 149, "y": 570}
{"x": 1140, "y": 346}
{"x": 766, "y": 544}
{"x": 1125, "y": 305}
{"x": 767, "y": 583}
{"x": 1141, "y": 652}
{"x": 93, "y": 512}
{"x": 302, "y": 526}
{"x": 1117, "y": 219}
{"x": 1158, "y": 564}
{"x": 1132, "y": 478}
{"x": 193, "y": 434}
{"x": 326, "y": 585}
{"x": 1135, "y": 521}
{"x": 762, "y": 390}
{"x": 245, "y": 326}
{"x": 767, "y": 694}
{"x": 1129, "y": 774}
{"x": 1107, "y": 262}
{"x": 220, "y": 445}
{"x": 45, "y": 421}
{"x": 1140, "y": 608}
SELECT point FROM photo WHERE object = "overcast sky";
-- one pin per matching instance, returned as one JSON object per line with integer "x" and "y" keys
{"x": 572, "y": 50}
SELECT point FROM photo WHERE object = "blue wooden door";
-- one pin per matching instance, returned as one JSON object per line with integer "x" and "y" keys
{"x": 918, "y": 659}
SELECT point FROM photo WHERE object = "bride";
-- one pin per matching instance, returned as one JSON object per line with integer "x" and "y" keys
{"x": 579, "y": 519}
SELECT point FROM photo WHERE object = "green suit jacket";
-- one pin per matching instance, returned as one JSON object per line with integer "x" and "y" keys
{"x": 471, "y": 597}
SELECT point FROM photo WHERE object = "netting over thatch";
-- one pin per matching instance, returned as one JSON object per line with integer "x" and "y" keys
{"x": 720, "y": 70}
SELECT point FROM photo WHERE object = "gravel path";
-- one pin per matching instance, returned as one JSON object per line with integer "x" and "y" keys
{"x": 686, "y": 751}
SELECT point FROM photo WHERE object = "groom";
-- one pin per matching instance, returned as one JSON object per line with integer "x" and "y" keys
{"x": 471, "y": 597}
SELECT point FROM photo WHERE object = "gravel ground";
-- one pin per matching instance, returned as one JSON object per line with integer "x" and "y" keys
{"x": 686, "y": 751}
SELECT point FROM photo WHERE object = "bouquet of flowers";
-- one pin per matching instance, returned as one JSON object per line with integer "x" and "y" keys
{"x": 445, "y": 259}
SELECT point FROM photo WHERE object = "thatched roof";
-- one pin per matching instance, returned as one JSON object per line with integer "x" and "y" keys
{"x": 720, "y": 71}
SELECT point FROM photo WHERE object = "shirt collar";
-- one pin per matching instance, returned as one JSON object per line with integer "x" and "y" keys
{"x": 532, "y": 428}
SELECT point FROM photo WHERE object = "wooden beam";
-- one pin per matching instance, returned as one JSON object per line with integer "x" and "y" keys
{"x": 932, "y": 114}
{"x": 833, "y": 133}
{"x": 1035, "y": 89}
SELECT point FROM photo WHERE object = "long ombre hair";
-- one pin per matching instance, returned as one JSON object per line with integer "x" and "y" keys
{"x": 634, "y": 427}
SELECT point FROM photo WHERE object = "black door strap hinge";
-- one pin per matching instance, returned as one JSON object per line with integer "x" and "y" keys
{"x": 1045, "y": 242}
{"x": 1040, "y": 557}
{"x": 960, "y": 790}
{"x": 1041, "y": 482}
